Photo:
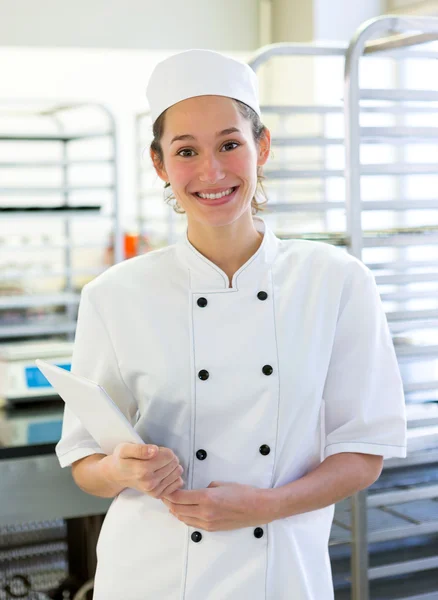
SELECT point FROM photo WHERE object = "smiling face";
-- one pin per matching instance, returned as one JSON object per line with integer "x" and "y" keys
{"x": 210, "y": 158}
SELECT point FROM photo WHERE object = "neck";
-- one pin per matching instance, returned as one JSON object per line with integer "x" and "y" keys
{"x": 229, "y": 247}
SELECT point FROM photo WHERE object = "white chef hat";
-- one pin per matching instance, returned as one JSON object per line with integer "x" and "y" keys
{"x": 200, "y": 73}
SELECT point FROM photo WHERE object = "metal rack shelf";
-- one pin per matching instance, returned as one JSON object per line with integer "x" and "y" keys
{"x": 401, "y": 524}
{"x": 55, "y": 137}
{"x": 426, "y": 492}
{"x": 67, "y": 155}
{"x": 420, "y": 351}
{"x": 39, "y": 300}
{"x": 10, "y": 274}
{"x": 402, "y": 135}
{"x": 400, "y": 586}
{"x": 393, "y": 169}
{"x": 38, "y": 191}
{"x": 400, "y": 95}
{"x": 55, "y": 213}
{"x": 53, "y": 163}
{"x": 50, "y": 326}
{"x": 409, "y": 501}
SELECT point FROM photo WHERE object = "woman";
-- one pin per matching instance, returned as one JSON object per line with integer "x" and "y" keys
{"x": 261, "y": 370}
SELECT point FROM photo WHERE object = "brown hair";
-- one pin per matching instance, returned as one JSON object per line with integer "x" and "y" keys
{"x": 258, "y": 130}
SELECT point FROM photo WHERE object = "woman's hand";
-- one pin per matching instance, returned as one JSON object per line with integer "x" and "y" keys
{"x": 220, "y": 507}
{"x": 154, "y": 474}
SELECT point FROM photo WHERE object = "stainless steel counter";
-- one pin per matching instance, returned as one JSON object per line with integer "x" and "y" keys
{"x": 33, "y": 487}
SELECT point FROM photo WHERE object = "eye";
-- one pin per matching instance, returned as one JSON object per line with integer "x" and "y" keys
{"x": 179, "y": 153}
{"x": 227, "y": 144}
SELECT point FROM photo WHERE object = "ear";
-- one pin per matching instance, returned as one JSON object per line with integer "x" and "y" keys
{"x": 159, "y": 167}
{"x": 264, "y": 147}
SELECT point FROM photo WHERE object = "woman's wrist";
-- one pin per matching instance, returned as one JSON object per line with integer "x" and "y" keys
{"x": 267, "y": 504}
{"x": 106, "y": 470}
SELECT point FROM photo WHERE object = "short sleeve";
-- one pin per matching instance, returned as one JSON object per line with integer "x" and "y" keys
{"x": 363, "y": 395}
{"x": 94, "y": 358}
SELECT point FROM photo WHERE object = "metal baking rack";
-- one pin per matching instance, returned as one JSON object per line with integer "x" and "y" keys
{"x": 298, "y": 174}
{"x": 58, "y": 215}
{"x": 401, "y": 527}
{"x": 394, "y": 530}
{"x": 156, "y": 223}
{"x": 58, "y": 212}
{"x": 32, "y": 552}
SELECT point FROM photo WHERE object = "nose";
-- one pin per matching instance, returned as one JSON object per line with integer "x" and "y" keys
{"x": 211, "y": 170}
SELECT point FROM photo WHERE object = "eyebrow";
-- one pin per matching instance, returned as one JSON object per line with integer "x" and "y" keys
{"x": 187, "y": 136}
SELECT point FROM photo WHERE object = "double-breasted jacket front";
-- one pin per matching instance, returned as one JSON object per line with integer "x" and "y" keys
{"x": 256, "y": 383}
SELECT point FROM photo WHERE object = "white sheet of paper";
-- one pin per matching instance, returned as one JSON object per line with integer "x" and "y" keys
{"x": 101, "y": 417}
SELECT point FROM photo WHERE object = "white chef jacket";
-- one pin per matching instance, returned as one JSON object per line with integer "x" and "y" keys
{"x": 268, "y": 385}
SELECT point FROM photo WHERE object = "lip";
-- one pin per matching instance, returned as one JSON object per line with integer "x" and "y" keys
{"x": 216, "y": 190}
{"x": 218, "y": 201}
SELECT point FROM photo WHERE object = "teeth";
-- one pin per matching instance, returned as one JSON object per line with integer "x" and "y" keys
{"x": 216, "y": 196}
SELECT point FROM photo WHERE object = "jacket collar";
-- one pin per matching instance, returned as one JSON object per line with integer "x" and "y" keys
{"x": 205, "y": 275}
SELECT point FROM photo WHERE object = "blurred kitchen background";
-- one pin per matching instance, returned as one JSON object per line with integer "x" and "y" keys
{"x": 349, "y": 91}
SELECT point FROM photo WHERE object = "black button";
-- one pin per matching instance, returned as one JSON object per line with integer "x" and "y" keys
{"x": 197, "y": 536}
{"x": 202, "y": 302}
{"x": 201, "y": 454}
{"x": 268, "y": 370}
{"x": 258, "y": 532}
{"x": 203, "y": 374}
{"x": 265, "y": 450}
{"x": 262, "y": 295}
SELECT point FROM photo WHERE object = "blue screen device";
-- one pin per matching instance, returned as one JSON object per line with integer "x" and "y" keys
{"x": 35, "y": 379}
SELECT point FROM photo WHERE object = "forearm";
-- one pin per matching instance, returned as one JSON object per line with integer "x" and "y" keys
{"x": 92, "y": 475}
{"x": 337, "y": 477}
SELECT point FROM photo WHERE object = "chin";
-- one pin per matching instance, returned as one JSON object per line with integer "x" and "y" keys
{"x": 220, "y": 220}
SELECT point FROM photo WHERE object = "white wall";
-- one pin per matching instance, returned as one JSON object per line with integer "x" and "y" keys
{"x": 321, "y": 20}
{"x": 339, "y": 19}
{"x": 403, "y": 3}
{"x": 292, "y": 20}
{"x": 148, "y": 24}
{"x": 413, "y": 7}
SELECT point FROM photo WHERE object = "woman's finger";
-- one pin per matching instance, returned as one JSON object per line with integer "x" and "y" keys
{"x": 163, "y": 472}
{"x": 198, "y": 523}
{"x": 176, "y": 485}
{"x": 173, "y": 477}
